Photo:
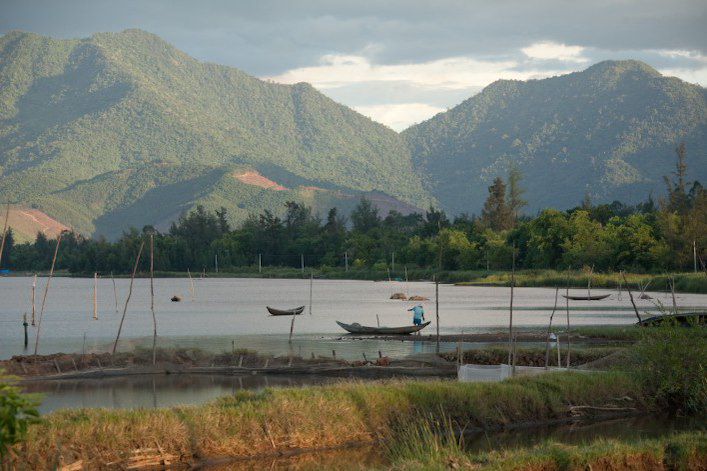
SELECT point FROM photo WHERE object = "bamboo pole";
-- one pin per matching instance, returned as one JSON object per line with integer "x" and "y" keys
{"x": 34, "y": 289}
{"x": 630, "y": 295}
{"x": 191, "y": 284}
{"x": 46, "y": 290}
{"x": 567, "y": 306}
{"x": 589, "y": 282}
{"x": 311, "y": 283}
{"x": 115, "y": 292}
{"x": 510, "y": 317}
{"x": 292, "y": 326}
{"x": 549, "y": 330}
{"x": 407, "y": 283}
{"x": 4, "y": 232}
{"x": 130, "y": 293}
{"x": 378, "y": 321}
{"x": 152, "y": 299}
{"x": 672, "y": 291}
{"x": 25, "y": 324}
{"x": 95, "y": 296}
{"x": 437, "y": 310}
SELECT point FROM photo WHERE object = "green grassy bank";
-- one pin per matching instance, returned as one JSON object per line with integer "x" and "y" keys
{"x": 277, "y": 420}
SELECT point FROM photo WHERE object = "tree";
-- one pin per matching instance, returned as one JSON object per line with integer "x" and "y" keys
{"x": 515, "y": 193}
{"x": 7, "y": 249}
{"x": 496, "y": 215}
{"x": 365, "y": 216}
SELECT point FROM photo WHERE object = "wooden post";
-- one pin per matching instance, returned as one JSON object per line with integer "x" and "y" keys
{"x": 559, "y": 362}
{"x": 115, "y": 292}
{"x": 333, "y": 353}
{"x": 127, "y": 300}
{"x": 672, "y": 292}
{"x": 510, "y": 317}
{"x": 302, "y": 262}
{"x": 4, "y": 232}
{"x": 589, "y": 282}
{"x": 346, "y": 260}
{"x": 407, "y": 283}
{"x": 378, "y": 321}
{"x": 260, "y": 263}
{"x": 694, "y": 254}
{"x": 619, "y": 290}
{"x": 152, "y": 299}
{"x": 630, "y": 295}
{"x": 388, "y": 270}
{"x": 25, "y": 324}
{"x": 567, "y": 306}
{"x": 95, "y": 296}
{"x": 46, "y": 290}
{"x": 392, "y": 261}
{"x": 34, "y": 288}
{"x": 292, "y": 325}
{"x": 311, "y": 286}
{"x": 549, "y": 330}
{"x": 216, "y": 262}
{"x": 191, "y": 284}
{"x": 437, "y": 310}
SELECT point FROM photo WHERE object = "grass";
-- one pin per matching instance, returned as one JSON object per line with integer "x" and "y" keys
{"x": 425, "y": 448}
{"x": 684, "y": 282}
{"x": 274, "y": 420}
{"x": 532, "y": 356}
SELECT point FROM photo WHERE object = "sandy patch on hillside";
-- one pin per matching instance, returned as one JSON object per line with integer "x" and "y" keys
{"x": 256, "y": 179}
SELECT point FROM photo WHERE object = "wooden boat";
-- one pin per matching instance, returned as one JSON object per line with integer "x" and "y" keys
{"x": 684, "y": 319}
{"x": 587, "y": 298}
{"x": 285, "y": 312}
{"x": 357, "y": 328}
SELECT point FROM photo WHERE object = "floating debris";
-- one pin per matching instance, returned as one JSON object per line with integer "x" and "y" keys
{"x": 400, "y": 296}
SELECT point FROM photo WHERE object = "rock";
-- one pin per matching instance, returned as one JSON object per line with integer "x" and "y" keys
{"x": 400, "y": 296}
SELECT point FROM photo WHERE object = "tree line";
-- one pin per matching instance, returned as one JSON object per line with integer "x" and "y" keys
{"x": 652, "y": 236}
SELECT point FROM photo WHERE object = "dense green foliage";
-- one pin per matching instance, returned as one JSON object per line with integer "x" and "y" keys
{"x": 612, "y": 237}
{"x": 17, "y": 412}
{"x": 122, "y": 129}
{"x": 607, "y": 131}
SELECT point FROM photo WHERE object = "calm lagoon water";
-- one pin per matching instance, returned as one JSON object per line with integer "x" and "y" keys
{"x": 229, "y": 309}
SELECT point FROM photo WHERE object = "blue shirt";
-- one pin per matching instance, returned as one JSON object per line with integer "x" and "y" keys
{"x": 417, "y": 312}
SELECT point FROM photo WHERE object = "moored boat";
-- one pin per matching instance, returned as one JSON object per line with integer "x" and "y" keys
{"x": 587, "y": 298}
{"x": 285, "y": 312}
{"x": 357, "y": 328}
{"x": 685, "y": 319}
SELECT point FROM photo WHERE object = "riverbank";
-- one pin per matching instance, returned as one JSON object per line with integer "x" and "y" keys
{"x": 685, "y": 282}
{"x": 274, "y": 421}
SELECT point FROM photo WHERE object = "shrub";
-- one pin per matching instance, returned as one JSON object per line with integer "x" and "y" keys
{"x": 17, "y": 411}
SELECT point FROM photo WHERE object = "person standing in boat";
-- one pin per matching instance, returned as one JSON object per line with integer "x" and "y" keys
{"x": 418, "y": 314}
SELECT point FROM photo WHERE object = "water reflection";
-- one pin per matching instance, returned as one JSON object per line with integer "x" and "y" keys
{"x": 153, "y": 391}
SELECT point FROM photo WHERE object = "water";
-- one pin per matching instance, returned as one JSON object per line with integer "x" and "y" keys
{"x": 227, "y": 309}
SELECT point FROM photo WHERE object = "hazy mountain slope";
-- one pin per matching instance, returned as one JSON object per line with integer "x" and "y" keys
{"x": 608, "y": 131}
{"x": 89, "y": 127}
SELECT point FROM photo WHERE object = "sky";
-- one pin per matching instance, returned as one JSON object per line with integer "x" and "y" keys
{"x": 398, "y": 62}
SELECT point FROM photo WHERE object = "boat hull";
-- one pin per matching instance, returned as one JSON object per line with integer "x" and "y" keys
{"x": 685, "y": 319}
{"x": 587, "y": 298}
{"x": 366, "y": 330}
{"x": 285, "y": 312}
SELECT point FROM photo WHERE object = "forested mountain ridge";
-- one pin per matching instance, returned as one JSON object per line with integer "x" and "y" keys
{"x": 100, "y": 132}
{"x": 608, "y": 132}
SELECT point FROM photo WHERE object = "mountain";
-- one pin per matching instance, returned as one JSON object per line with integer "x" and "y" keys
{"x": 609, "y": 131}
{"x": 123, "y": 129}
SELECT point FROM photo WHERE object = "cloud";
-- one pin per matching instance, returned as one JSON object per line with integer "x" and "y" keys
{"x": 555, "y": 51}
{"x": 399, "y": 116}
{"x": 336, "y": 70}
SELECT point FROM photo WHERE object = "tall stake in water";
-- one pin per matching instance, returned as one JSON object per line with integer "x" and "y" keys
{"x": 567, "y": 306}
{"x": 191, "y": 284}
{"x": 130, "y": 293}
{"x": 437, "y": 310}
{"x": 510, "y": 317}
{"x": 549, "y": 331}
{"x": 630, "y": 295}
{"x": 311, "y": 283}
{"x": 4, "y": 232}
{"x": 115, "y": 292}
{"x": 95, "y": 296}
{"x": 34, "y": 288}
{"x": 407, "y": 283}
{"x": 46, "y": 290}
{"x": 152, "y": 298}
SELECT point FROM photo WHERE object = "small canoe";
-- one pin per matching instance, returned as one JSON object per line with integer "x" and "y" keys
{"x": 357, "y": 328}
{"x": 285, "y": 312}
{"x": 587, "y": 298}
{"x": 684, "y": 319}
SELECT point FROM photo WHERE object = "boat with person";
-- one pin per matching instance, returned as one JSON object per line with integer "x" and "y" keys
{"x": 285, "y": 312}
{"x": 357, "y": 328}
